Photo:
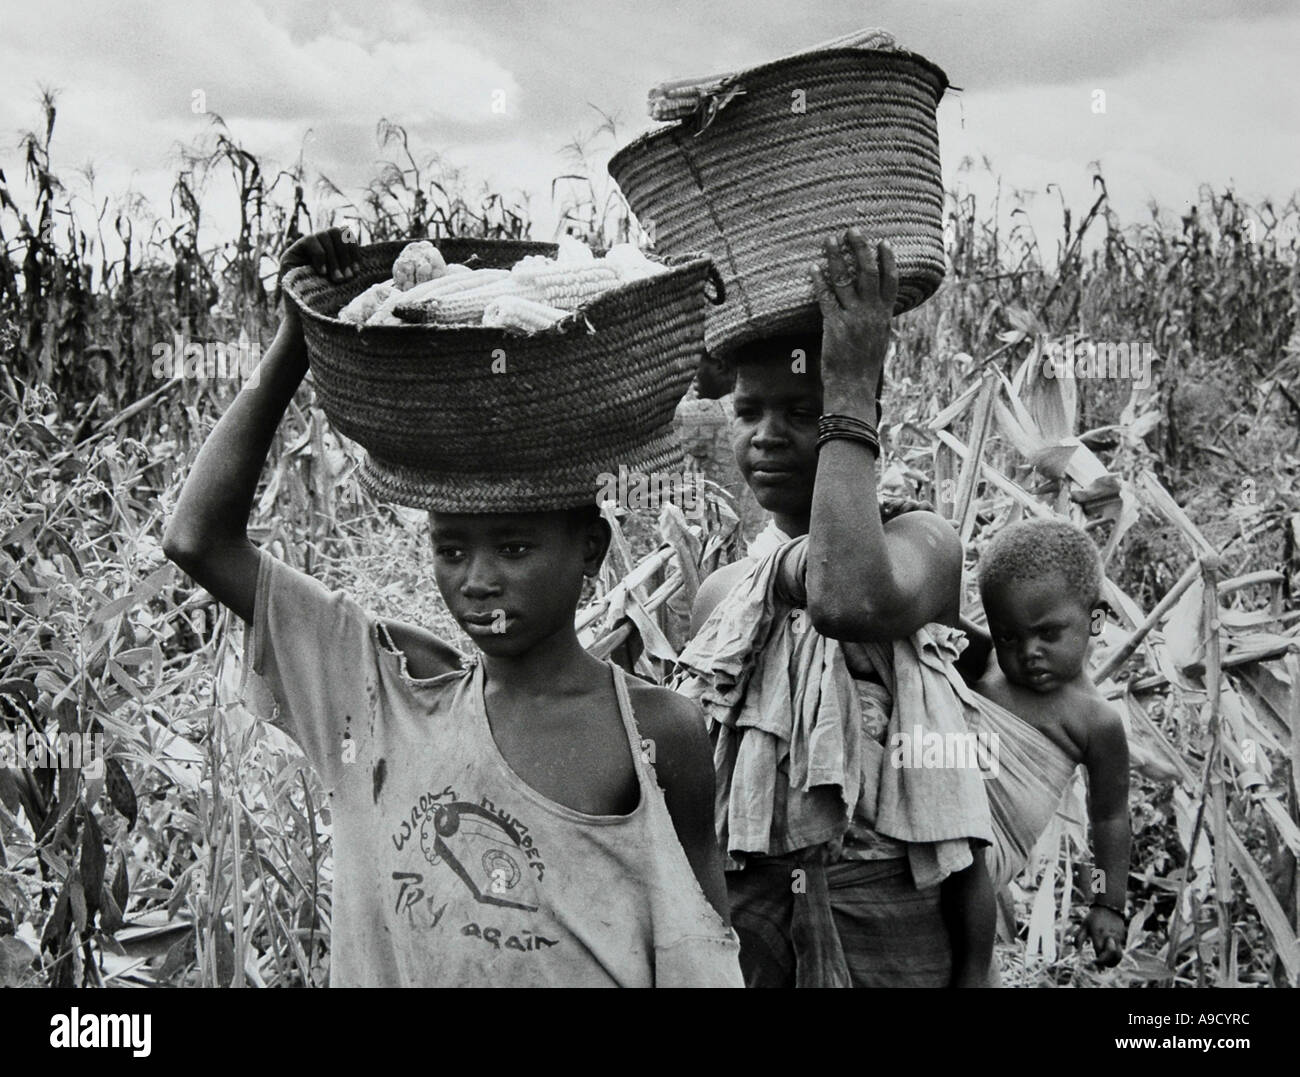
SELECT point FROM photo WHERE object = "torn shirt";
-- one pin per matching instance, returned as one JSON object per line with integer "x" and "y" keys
{"x": 795, "y": 765}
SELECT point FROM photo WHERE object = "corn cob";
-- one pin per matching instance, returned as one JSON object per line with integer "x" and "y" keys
{"x": 567, "y": 286}
{"x": 630, "y": 263}
{"x": 466, "y": 308}
{"x": 418, "y": 262}
{"x": 570, "y": 251}
{"x": 383, "y": 314}
{"x": 363, "y": 307}
{"x": 520, "y": 312}
{"x": 409, "y": 306}
{"x": 873, "y": 38}
{"x": 532, "y": 263}
{"x": 681, "y": 98}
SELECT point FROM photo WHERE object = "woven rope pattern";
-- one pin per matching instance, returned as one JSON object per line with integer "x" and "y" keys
{"x": 446, "y": 431}
{"x": 566, "y": 484}
{"x": 763, "y": 185}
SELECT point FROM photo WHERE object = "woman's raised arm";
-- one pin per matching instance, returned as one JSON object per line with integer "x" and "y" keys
{"x": 866, "y": 579}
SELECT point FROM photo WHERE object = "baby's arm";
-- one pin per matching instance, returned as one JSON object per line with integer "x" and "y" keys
{"x": 207, "y": 534}
{"x": 966, "y": 899}
{"x": 1106, "y": 757}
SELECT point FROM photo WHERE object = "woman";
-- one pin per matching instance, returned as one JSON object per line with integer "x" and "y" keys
{"x": 811, "y": 656}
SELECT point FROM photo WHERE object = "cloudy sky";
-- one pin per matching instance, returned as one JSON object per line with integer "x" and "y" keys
{"x": 1198, "y": 91}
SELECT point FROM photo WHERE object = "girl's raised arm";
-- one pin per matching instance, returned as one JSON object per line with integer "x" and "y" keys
{"x": 207, "y": 535}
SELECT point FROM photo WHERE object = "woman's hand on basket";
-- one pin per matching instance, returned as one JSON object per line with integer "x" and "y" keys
{"x": 333, "y": 253}
{"x": 856, "y": 287}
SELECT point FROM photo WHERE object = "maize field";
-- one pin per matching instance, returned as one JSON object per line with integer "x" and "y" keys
{"x": 197, "y": 850}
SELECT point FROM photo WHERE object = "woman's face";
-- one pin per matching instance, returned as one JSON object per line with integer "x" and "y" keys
{"x": 777, "y": 403}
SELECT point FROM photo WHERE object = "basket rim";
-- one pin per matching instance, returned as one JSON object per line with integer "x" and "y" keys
{"x": 578, "y": 485}
{"x": 687, "y": 263}
{"x": 811, "y": 57}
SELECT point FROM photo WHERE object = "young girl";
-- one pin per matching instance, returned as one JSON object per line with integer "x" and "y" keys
{"x": 493, "y": 825}
{"x": 1040, "y": 582}
{"x": 840, "y": 628}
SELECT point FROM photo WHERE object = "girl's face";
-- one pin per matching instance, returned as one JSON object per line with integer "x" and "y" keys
{"x": 775, "y": 435}
{"x": 513, "y": 580}
{"x": 1040, "y": 632}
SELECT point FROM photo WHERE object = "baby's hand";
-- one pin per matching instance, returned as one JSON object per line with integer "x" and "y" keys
{"x": 1105, "y": 928}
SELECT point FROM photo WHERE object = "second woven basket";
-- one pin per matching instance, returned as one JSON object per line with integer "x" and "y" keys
{"x": 810, "y": 146}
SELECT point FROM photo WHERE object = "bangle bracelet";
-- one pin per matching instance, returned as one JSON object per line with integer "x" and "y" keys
{"x": 849, "y": 428}
{"x": 844, "y": 435}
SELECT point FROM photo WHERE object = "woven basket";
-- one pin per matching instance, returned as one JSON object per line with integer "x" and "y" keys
{"x": 444, "y": 431}
{"x": 762, "y": 185}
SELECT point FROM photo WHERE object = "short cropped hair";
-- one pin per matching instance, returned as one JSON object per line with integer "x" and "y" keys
{"x": 780, "y": 346}
{"x": 1032, "y": 549}
{"x": 583, "y": 516}
{"x": 784, "y": 347}
{"x": 576, "y": 518}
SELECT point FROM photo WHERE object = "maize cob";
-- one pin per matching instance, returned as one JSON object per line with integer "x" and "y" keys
{"x": 572, "y": 251}
{"x": 873, "y": 38}
{"x": 360, "y": 309}
{"x": 418, "y": 262}
{"x": 630, "y": 263}
{"x": 412, "y": 302}
{"x": 466, "y": 308}
{"x": 567, "y": 286}
{"x": 533, "y": 262}
{"x": 383, "y": 314}
{"x": 520, "y": 312}
{"x": 682, "y": 98}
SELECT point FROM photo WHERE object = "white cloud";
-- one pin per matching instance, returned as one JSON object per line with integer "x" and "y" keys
{"x": 1203, "y": 94}
{"x": 1219, "y": 109}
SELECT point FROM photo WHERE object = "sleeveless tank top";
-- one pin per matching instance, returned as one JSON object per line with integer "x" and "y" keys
{"x": 449, "y": 869}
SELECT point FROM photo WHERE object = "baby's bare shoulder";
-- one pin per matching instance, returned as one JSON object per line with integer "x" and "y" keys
{"x": 993, "y": 685}
{"x": 713, "y": 590}
{"x": 1102, "y": 709}
{"x": 1102, "y": 716}
{"x": 1079, "y": 704}
{"x": 1095, "y": 724}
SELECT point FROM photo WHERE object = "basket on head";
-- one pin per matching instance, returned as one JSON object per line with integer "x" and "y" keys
{"x": 476, "y": 419}
{"x": 809, "y": 146}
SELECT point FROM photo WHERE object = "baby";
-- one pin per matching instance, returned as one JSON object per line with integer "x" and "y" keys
{"x": 1040, "y": 582}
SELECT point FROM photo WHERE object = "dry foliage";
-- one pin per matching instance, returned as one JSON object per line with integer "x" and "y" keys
{"x": 201, "y": 854}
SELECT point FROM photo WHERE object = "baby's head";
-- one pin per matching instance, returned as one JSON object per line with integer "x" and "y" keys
{"x": 1040, "y": 582}
{"x": 512, "y": 580}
